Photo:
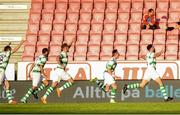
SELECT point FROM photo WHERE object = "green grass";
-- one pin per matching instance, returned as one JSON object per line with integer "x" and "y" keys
{"x": 122, "y": 107}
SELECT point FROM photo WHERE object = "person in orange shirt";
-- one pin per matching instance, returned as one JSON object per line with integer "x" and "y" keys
{"x": 149, "y": 21}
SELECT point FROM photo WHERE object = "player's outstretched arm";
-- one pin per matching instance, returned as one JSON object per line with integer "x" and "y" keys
{"x": 17, "y": 47}
{"x": 70, "y": 44}
{"x": 143, "y": 57}
{"x": 158, "y": 54}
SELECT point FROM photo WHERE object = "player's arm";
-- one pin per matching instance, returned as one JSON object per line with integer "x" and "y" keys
{"x": 42, "y": 71}
{"x": 70, "y": 44}
{"x": 30, "y": 70}
{"x": 17, "y": 47}
{"x": 158, "y": 54}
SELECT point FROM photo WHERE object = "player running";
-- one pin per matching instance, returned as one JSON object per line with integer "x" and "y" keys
{"x": 60, "y": 74}
{"x": 109, "y": 80}
{"x": 4, "y": 60}
{"x": 150, "y": 73}
{"x": 37, "y": 76}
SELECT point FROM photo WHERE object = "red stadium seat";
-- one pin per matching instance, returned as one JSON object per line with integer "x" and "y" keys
{"x": 97, "y": 27}
{"x": 71, "y": 28}
{"x": 106, "y": 50}
{"x": 60, "y": 17}
{"x": 49, "y": 4}
{"x": 58, "y": 28}
{"x": 112, "y": 5}
{"x": 43, "y": 39}
{"x": 61, "y": 6}
{"x": 111, "y": 17}
{"x": 86, "y": 5}
{"x": 45, "y": 28}
{"x": 33, "y": 28}
{"x": 136, "y": 17}
{"x": 98, "y": 17}
{"x": 137, "y": 6}
{"x": 122, "y": 50}
{"x": 36, "y": 6}
{"x": 34, "y": 17}
{"x": 120, "y": 38}
{"x": 158, "y": 48}
{"x": 72, "y": 17}
{"x": 143, "y": 49}
{"x": 85, "y": 17}
{"x": 39, "y": 49}
{"x": 47, "y": 17}
{"x": 84, "y": 28}
{"x": 55, "y": 50}
{"x": 93, "y": 52}
{"x": 174, "y": 5}
{"x": 31, "y": 38}
{"x": 122, "y": 27}
{"x": 135, "y": 27}
{"x": 95, "y": 39}
{"x": 162, "y": 5}
{"x": 99, "y": 5}
{"x": 78, "y": 55}
{"x": 108, "y": 39}
{"x": 150, "y": 4}
{"x": 133, "y": 38}
{"x": 74, "y": 6}
{"x": 146, "y": 37}
{"x": 109, "y": 27}
{"x": 132, "y": 52}
{"x": 173, "y": 17}
{"x": 124, "y": 6}
{"x": 68, "y": 38}
{"x": 82, "y": 39}
{"x": 159, "y": 37}
{"x": 123, "y": 17}
{"x": 26, "y": 58}
{"x": 172, "y": 37}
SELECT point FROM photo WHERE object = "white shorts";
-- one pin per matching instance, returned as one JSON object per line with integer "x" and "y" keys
{"x": 108, "y": 79}
{"x": 150, "y": 73}
{"x": 2, "y": 76}
{"x": 36, "y": 78}
{"x": 60, "y": 74}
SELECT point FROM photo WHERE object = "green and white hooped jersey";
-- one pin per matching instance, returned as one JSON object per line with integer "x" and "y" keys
{"x": 111, "y": 65}
{"x": 63, "y": 58}
{"x": 151, "y": 61}
{"x": 4, "y": 59}
{"x": 40, "y": 61}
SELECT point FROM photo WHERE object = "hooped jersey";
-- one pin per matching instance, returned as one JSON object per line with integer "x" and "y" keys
{"x": 40, "y": 61}
{"x": 63, "y": 58}
{"x": 4, "y": 59}
{"x": 151, "y": 60}
{"x": 111, "y": 65}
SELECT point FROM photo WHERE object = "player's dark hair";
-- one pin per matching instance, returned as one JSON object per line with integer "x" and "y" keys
{"x": 64, "y": 45}
{"x": 150, "y": 10}
{"x": 114, "y": 51}
{"x": 44, "y": 50}
{"x": 149, "y": 46}
{"x": 7, "y": 48}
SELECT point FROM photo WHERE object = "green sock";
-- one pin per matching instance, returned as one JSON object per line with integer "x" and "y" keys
{"x": 113, "y": 93}
{"x": 100, "y": 85}
{"x": 41, "y": 87}
{"x": 8, "y": 95}
{"x": 66, "y": 85}
{"x": 30, "y": 91}
{"x": 49, "y": 90}
{"x": 133, "y": 86}
{"x": 163, "y": 91}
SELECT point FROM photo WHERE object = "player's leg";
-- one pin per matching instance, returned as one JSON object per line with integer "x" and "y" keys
{"x": 43, "y": 85}
{"x": 56, "y": 79}
{"x": 69, "y": 83}
{"x": 163, "y": 89}
{"x": 8, "y": 93}
{"x": 113, "y": 92}
{"x": 99, "y": 84}
{"x": 35, "y": 82}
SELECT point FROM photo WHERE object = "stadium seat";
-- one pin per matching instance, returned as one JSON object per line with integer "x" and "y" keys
{"x": 122, "y": 27}
{"x": 71, "y": 28}
{"x": 78, "y": 55}
{"x": 124, "y": 6}
{"x": 49, "y": 4}
{"x": 84, "y": 28}
{"x": 58, "y": 28}
{"x": 86, "y": 5}
{"x": 158, "y": 48}
{"x": 174, "y": 17}
{"x": 171, "y": 52}
{"x": 106, "y": 52}
{"x": 133, "y": 38}
{"x": 137, "y": 6}
{"x": 162, "y": 5}
{"x": 26, "y": 58}
{"x": 57, "y": 38}
{"x": 108, "y": 39}
{"x": 110, "y": 17}
{"x": 132, "y": 52}
{"x": 74, "y": 6}
{"x": 99, "y": 5}
{"x": 82, "y": 39}
{"x": 34, "y": 17}
{"x": 31, "y": 38}
{"x": 45, "y": 28}
{"x": 148, "y": 4}
{"x": 72, "y": 17}
{"x": 39, "y": 49}
{"x": 123, "y": 17}
{"x": 162, "y": 17}
{"x": 98, "y": 17}
{"x": 109, "y": 27}
{"x": 174, "y": 5}
{"x": 159, "y": 36}
{"x": 85, "y": 17}
{"x": 95, "y": 39}
{"x": 120, "y": 38}
{"x": 60, "y": 17}
{"x": 93, "y": 52}
{"x": 134, "y": 27}
{"x": 122, "y": 50}
{"x": 112, "y": 5}
{"x": 33, "y": 28}
{"x": 61, "y": 5}
{"x": 143, "y": 49}
{"x": 68, "y": 38}
{"x": 146, "y": 37}
{"x": 54, "y": 50}
{"x": 43, "y": 39}
{"x": 96, "y": 27}
{"x": 172, "y": 37}
{"x": 36, "y": 7}
{"x": 136, "y": 17}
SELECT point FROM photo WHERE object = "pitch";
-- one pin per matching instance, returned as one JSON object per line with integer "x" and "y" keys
{"x": 121, "y": 107}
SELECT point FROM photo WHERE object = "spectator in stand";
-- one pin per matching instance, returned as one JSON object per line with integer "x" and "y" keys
{"x": 149, "y": 21}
